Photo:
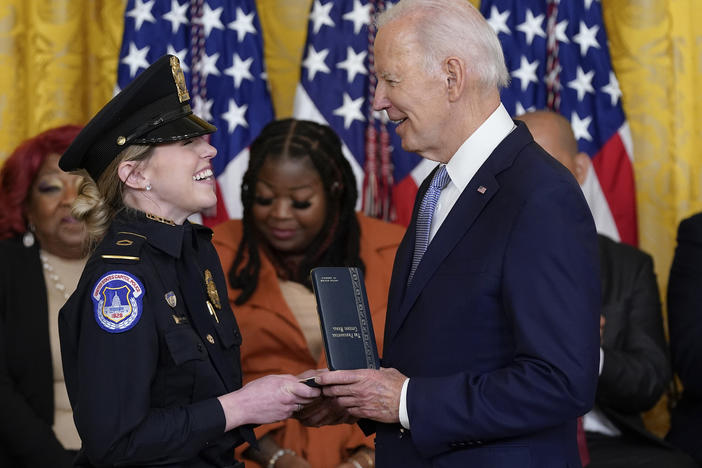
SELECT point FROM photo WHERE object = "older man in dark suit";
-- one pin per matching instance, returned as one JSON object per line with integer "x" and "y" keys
{"x": 491, "y": 337}
{"x": 634, "y": 362}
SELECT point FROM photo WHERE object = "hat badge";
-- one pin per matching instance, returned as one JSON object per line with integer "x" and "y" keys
{"x": 179, "y": 79}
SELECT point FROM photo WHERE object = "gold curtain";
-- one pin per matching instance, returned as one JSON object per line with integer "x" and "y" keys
{"x": 58, "y": 60}
{"x": 656, "y": 52}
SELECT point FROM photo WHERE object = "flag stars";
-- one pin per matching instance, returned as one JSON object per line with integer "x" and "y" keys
{"x": 350, "y": 110}
{"x": 243, "y": 24}
{"x": 520, "y": 110}
{"x": 582, "y": 83}
{"x": 532, "y": 26}
{"x": 612, "y": 88}
{"x": 587, "y": 37}
{"x": 235, "y": 116}
{"x": 498, "y": 20}
{"x": 177, "y": 15}
{"x": 240, "y": 70}
{"x": 136, "y": 58}
{"x": 561, "y": 32}
{"x": 359, "y": 16}
{"x": 314, "y": 62}
{"x": 354, "y": 63}
{"x": 142, "y": 12}
{"x": 320, "y": 15}
{"x": 210, "y": 19}
{"x": 208, "y": 65}
{"x": 526, "y": 73}
{"x": 580, "y": 126}
{"x": 202, "y": 109}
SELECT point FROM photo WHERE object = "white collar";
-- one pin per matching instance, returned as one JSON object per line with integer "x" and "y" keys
{"x": 475, "y": 150}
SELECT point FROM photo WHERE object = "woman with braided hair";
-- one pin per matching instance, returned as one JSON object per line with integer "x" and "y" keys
{"x": 299, "y": 196}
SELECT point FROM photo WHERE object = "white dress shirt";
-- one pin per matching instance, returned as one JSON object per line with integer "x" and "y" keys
{"x": 461, "y": 168}
{"x": 595, "y": 420}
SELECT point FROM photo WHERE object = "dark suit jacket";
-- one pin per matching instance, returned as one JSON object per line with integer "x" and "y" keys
{"x": 26, "y": 374}
{"x": 499, "y": 330}
{"x": 685, "y": 323}
{"x": 636, "y": 364}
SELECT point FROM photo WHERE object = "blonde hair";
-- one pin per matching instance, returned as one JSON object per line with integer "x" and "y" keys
{"x": 98, "y": 202}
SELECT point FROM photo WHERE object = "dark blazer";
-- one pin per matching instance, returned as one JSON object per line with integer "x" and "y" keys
{"x": 26, "y": 374}
{"x": 636, "y": 367}
{"x": 685, "y": 323}
{"x": 499, "y": 329}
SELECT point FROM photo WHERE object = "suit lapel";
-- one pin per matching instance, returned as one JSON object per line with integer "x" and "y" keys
{"x": 470, "y": 204}
{"x": 400, "y": 272}
{"x": 467, "y": 209}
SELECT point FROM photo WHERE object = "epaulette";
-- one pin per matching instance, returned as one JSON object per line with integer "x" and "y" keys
{"x": 125, "y": 249}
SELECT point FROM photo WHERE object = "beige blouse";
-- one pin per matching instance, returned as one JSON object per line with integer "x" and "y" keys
{"x": 61, "y": 276}
{"x": 304, "y": 307}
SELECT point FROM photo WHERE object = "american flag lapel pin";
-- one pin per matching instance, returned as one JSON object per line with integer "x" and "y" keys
{"x": 482, "y": 190}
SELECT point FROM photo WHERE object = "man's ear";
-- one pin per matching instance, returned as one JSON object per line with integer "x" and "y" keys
{"x": 130, "y": 174}
{"x": 455, "y": 77}
{"x": 582, "y": 165}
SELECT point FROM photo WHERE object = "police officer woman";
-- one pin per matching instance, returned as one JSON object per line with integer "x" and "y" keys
{"x": 150, "y": 346}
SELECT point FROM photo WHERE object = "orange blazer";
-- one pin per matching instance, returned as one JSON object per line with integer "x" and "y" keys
{"x": 273, "y": 342}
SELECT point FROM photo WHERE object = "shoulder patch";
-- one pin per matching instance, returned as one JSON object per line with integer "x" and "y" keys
{"x": 118, "y": 298}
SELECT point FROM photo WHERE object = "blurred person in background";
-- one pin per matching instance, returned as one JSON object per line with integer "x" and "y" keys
{"x": 634, "y": 363}
{"x": 685, "y": 325}
{"x": 42, "y": 252}
{"x": 299, "y": 196}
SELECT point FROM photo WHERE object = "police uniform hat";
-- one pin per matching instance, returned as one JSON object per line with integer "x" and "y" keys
{"x": 154, "y": 108}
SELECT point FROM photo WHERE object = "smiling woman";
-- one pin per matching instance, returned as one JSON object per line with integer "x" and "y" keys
{"x": 42, "y": 258}
{"x": 299, "y": 195}
{"x": 175, "y": 182}
{"x": 150, "y": 346}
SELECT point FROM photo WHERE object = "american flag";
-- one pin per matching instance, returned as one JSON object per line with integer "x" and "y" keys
{"x": 557, "y": 55}
{"x": 220, "y": 48}
{"x": 336, "y": 87}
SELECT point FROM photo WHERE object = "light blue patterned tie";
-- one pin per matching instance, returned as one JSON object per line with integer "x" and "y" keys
{"x": 426, "y": 212}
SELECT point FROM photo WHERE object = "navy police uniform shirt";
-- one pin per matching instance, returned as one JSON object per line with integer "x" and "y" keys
{"x": 149, "y": 342}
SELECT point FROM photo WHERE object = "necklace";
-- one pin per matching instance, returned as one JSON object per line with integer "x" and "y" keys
{"x": 51, "y": 273}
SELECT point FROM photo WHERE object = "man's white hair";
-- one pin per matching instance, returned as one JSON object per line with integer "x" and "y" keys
{"x": 445, "y": 28}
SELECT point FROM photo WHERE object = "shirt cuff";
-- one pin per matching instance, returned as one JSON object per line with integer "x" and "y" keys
{"x": 404, "y": 417}
{"x": 601, "y": 360}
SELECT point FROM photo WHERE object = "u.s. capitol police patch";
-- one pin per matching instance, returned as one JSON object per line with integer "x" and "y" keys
{"x": 118, "y": 298}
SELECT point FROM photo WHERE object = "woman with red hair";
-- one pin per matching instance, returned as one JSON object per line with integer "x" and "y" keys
{"x": 42, "y": 252}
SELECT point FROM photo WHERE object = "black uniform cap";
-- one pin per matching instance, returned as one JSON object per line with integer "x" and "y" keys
{"x": 154, "y": 108}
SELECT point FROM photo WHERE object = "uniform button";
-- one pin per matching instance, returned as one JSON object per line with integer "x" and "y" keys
{"x": 199, "y": 347}
{"x": 210, "y": 339}
{"x": 401, "y": 434}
